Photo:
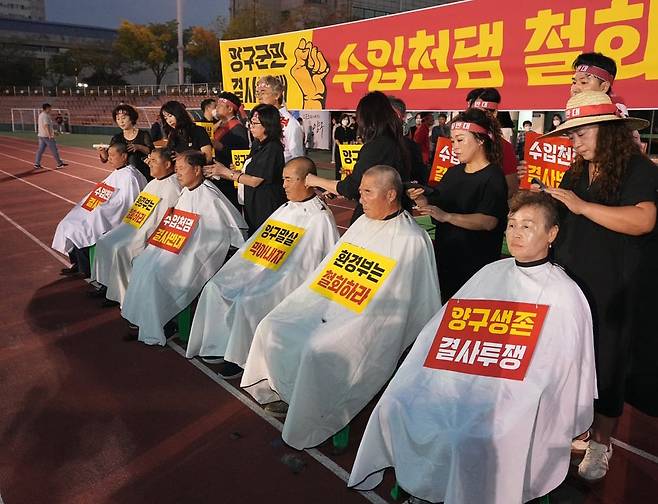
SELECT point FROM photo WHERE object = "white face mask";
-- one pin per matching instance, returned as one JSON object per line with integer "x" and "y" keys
{"x": 345, "y": 122}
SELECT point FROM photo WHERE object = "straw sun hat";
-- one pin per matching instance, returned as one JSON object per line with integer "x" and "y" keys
{"x": 593, "y": 107}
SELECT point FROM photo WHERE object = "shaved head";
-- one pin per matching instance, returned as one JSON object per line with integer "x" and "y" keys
{"x": 302, "y": 166}
{"x": 388, "y": 178}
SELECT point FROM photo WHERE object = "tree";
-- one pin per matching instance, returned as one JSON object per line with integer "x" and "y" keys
{"x": 151, "y": 47}
{"x": 245, "y": 24}
{"x": 202, "y": 50}
{"x": 20, "y": 68}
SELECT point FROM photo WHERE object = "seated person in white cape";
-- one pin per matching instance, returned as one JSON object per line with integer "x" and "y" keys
{"x": 116, "y": 250}
{"x": 332, "y": 344}
{"x": 274, "y": 262}
{"x": 184, "y": 252}
{"x": 99, "y": 211}
{"x": 485, "y": 405}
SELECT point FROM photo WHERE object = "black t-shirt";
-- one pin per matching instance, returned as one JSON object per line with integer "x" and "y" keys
{"x": 197, "y": 138}
{"x": 461, "y": 252}
{"x": 382, "y": 150}
{"x": 344, "y": 135}
{"x": 260, "y": 202}
{"x": 235, "y": 138}
{"x": 136, "y": 158}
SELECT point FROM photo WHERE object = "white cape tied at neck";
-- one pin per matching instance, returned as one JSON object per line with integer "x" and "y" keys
{"x": 116, "y": 250}
{"x": 327, "y": 361}
{"x": 164, "y": 283}
{"x": 81, "y": 228}
{"x": 457, "y": 437}
{"x": 242, "y": 292}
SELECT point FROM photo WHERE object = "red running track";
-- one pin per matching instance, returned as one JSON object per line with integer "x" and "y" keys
{"x": 87, "y": 418}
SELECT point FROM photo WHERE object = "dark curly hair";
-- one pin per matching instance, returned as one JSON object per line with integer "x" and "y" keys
{"x": 129, "y": 110}
{"x": 614, "y": 148}
{"x": 493, "y": 147}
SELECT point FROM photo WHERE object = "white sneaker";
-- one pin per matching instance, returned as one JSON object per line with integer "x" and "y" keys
{"x": 595, "y": 462}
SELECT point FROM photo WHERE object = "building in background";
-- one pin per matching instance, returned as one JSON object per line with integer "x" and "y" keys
{"x": 34, "y": 10}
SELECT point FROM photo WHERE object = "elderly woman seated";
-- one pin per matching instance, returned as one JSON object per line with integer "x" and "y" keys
{"x": 497, "y": 384}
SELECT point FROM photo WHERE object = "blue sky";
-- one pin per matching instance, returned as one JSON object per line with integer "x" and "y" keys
{"x": 110, "y": 13}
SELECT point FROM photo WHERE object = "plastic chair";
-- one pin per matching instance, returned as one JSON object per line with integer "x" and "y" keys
{"x": 184, "y": 320}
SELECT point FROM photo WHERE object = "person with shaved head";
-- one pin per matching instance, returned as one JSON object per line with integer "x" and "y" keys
{"x": 331, "y": 345}
{"x": 273, "y": 262}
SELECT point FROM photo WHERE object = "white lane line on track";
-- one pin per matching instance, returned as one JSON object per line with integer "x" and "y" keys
{"x": 636, "y": 451}
{"x": 72, "y": 149}
{"x": 35, "y": 240}
{"x": 316, "y": 454}
{"x": 38, "y": 187}
{"x": 66, "y": 161}
{"x": 59, "y": 172}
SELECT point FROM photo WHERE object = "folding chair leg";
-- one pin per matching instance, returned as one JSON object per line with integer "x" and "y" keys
{"x": 184, "y": 320}
{"x": 544, "y": 500}
{"x": 92, "y": 257}
{"x": 341, "y": 439}
{"x": 398, "y": 493}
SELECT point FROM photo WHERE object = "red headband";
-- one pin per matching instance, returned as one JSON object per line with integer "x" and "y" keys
{"x": 591, "y": 110}
{"x": 239, "y": 109}
{"x": 472, "y": 127}
{"x": 599, "y": 72}
{"x": 485, "y": 105}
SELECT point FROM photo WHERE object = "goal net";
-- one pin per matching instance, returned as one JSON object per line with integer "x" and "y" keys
{"x": 26, "y": 119}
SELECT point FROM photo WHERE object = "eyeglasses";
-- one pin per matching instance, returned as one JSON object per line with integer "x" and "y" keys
{"x": 255, "y": 123}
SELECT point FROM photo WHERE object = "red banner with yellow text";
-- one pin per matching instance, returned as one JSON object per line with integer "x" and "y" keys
{"x": 174, "y": 230}
{"x": 443, "y": 160}
{"x": 432, "y": 57}
{"x": 547, "y": 160}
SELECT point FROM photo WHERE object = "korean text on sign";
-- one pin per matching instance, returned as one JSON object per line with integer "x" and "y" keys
{"x": 238, "y": 157}
{"x": 547, "y": 159}
{"x": 443, "y": 159}
{"x": 349, "y": 155}
{"x": 101, "y": 193}
{"x": 353, "y": 276}
{"x": 141, "y": 210}
{"x": 487, "y": 338}
{"x": 273, "y": 244}
{"x": 174, "y": 230}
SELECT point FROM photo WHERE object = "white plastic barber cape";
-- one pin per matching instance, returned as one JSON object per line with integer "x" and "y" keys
{"x": 327, "y": 361}
{"x": 242, "y": 292}
{"x": 456, "y": 437}
{"x": 164, "y": 283}
{"x": 116, "y": 250}
{"x": 81, "y": 228}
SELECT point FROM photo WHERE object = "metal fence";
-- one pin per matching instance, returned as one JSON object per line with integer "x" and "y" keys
{"x": 203, "y": 89}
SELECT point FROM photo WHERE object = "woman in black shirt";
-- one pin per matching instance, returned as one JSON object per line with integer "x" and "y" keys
{"x": 261, "y": 180}
{"x": 138, "y": 141}
{"x": 381, "y": 130}
{"x": 610, "y": 195}
{"x": 469, "y": 205}
{"x": 180, "y": 131}
{"x": 343, "y": 135}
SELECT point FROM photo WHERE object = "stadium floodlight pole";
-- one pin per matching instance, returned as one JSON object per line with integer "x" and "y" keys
{"x": 179, "y": 18}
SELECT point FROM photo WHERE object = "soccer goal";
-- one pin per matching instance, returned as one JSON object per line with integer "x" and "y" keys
{"x": 26, "y": 119}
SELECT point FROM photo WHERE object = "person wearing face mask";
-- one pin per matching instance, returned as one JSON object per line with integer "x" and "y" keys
{"x": 452, "y": 423}
{"x": 208, "y": 110}
{"x": 138, "y": 142}
{"x": 342, "y": 135}
{"x": 520, "y": 139}
{"x": 610, "y": 198}
{"x": 469, "y": 205}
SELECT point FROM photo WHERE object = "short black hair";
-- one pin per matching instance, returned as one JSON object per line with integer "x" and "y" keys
{"x": 269, "y": 117}
{"x": 423, "y": 115}
{"x": 206, "y": 102}
{"x": 46, "y": 106}
{"x": 527, "y": 122}
{"x": 120, "y": 148}
{"x": 445, "y": 116}
{"x": 484, "y": 94}
{"x": 194, "y": 158}
{"x": 227, "y": 95}
{"x": 598, "y": 60}
{"x": 129, "y": 110}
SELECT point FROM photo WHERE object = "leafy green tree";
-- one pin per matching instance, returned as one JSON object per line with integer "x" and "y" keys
{"x": 151, "y": 47}
{"x": 202, "y": 51}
